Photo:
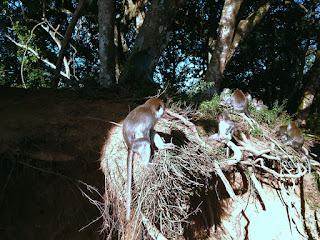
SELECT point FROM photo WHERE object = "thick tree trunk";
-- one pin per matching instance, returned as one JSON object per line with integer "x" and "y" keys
{"x": 152, "y": 38}
{"x": 226, "y": 31}
{"x": 106, "y": 42}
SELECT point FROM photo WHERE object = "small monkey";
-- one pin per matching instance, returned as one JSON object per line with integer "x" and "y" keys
{"x": 291, "y": 135}
{"x": 139, "y": 135}
{"x": 226, "y": 128}
{"x": 248, "y": 96}
{"x": 258, "y": 104}
{"x": 281, "y": 133}
{"x": 295, "y": 137}
{"x": 239, "y": 102}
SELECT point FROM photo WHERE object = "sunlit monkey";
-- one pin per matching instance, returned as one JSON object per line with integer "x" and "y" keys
{"x": 226, "y": 129}
{"x": 248, "y": 96}
{"x": 239, "y": 102}
{"x": 258, "y": 104}
{"x": 295, "y": 137}
{"x": 281, "y": 133}
{"x": 139, "y": 134}
{"x": 291, "y": 135}
{"x": 225, "y": 94}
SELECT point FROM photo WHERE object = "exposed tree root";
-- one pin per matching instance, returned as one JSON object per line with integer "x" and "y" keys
{"x": 161, "y": 200}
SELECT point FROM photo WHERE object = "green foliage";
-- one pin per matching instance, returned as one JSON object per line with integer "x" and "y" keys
{"x": 256, "y": 132}
{"x": 273, "y": 117}
{"x": 209, "y": 110}
{"x": 200, "y": 87}
{"x": 314, "y": 124}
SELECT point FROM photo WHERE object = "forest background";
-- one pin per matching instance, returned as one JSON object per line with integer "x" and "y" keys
{"x": 268, "y": 48}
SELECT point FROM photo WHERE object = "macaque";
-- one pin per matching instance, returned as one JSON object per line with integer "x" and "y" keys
{"x": 226, "y": 129}
{"x": 295, "y": 137}
{"x": 258, "y": 104}
{"x": 239, "y": 102}
{"x": 281, "y": 133}
{"x": 291, "y": 135}
{"x": 248, "y": 96}
{"x": 139, "y": 135}
{"x": 225, "y": 94}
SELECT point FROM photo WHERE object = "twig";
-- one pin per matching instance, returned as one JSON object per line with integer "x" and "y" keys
{"x": 279, "y": 175}
{"x": 188, "y": 124}
{"x": 103, "y": 120}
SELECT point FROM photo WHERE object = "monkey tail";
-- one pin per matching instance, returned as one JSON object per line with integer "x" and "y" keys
{"x": 247, "y": 113}
{"x": 129, "y": 183}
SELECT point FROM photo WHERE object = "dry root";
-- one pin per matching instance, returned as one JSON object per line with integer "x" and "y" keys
{"x": 161, "y": 201}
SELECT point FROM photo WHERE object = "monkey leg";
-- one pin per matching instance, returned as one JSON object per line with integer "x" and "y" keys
{"x": 143, "y": 148}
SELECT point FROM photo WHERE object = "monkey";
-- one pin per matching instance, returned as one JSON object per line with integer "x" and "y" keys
{"x": 226, "y": 128}
{"x": 295, "y": 137}
{"x": 139, "y": 134}
{"x": 291, "y": 135}
{"x": 281, "y": 133}
{"x": 226, "y": 93}
{"x": 239, "y": 102}
{"x": 248, "y": 96}
{"x": 258, "y": 104}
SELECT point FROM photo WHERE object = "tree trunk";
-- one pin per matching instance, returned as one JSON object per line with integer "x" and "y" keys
{"x": 229, "y": 38}
{"x": 152, "y": 39}
{"x": 312, "y": 90}
{"x": 226, "y": 31}
{"x": 106, "y": 42}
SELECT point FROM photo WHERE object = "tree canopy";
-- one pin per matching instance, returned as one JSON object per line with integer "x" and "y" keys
{"x": 268, "y": 48}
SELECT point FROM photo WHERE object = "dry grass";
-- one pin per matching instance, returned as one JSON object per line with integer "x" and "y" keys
{"x": 161, "y": 200}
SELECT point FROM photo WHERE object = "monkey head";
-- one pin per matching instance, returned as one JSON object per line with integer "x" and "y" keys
{"x": 157, "y": 106}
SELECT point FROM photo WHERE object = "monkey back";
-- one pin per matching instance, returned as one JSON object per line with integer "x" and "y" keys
{"x": 141, "y": 120}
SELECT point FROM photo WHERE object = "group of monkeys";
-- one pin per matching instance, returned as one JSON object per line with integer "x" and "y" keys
{"x": 139, "y": 134}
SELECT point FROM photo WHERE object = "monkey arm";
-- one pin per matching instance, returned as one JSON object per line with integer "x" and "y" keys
{"x": 157, "y": 140}
{"x": 214, "y": 137}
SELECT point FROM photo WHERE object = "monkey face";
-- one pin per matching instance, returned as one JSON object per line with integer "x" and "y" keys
{"x": 159, "y": 112}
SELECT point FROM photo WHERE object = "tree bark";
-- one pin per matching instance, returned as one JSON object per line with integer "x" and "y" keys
{"x": 106, "y": 42}
{"x": 246, "y": 26}
{"x": 229, "y": 38}
{"x": 226, "y": 31}
{"x": 153, "y": 34}
{"x": 312, "y": 90}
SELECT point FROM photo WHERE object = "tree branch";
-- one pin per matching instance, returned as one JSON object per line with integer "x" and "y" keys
{"x": 246, "y": 26}
{"x": 45, "y": 61}
{"x": 67, "y": 37}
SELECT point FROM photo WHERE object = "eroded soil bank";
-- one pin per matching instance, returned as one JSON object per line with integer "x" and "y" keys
{"x": 49, "y": 141}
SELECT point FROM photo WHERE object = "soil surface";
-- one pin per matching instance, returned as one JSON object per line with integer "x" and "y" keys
{"x": 50, "y": 142}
